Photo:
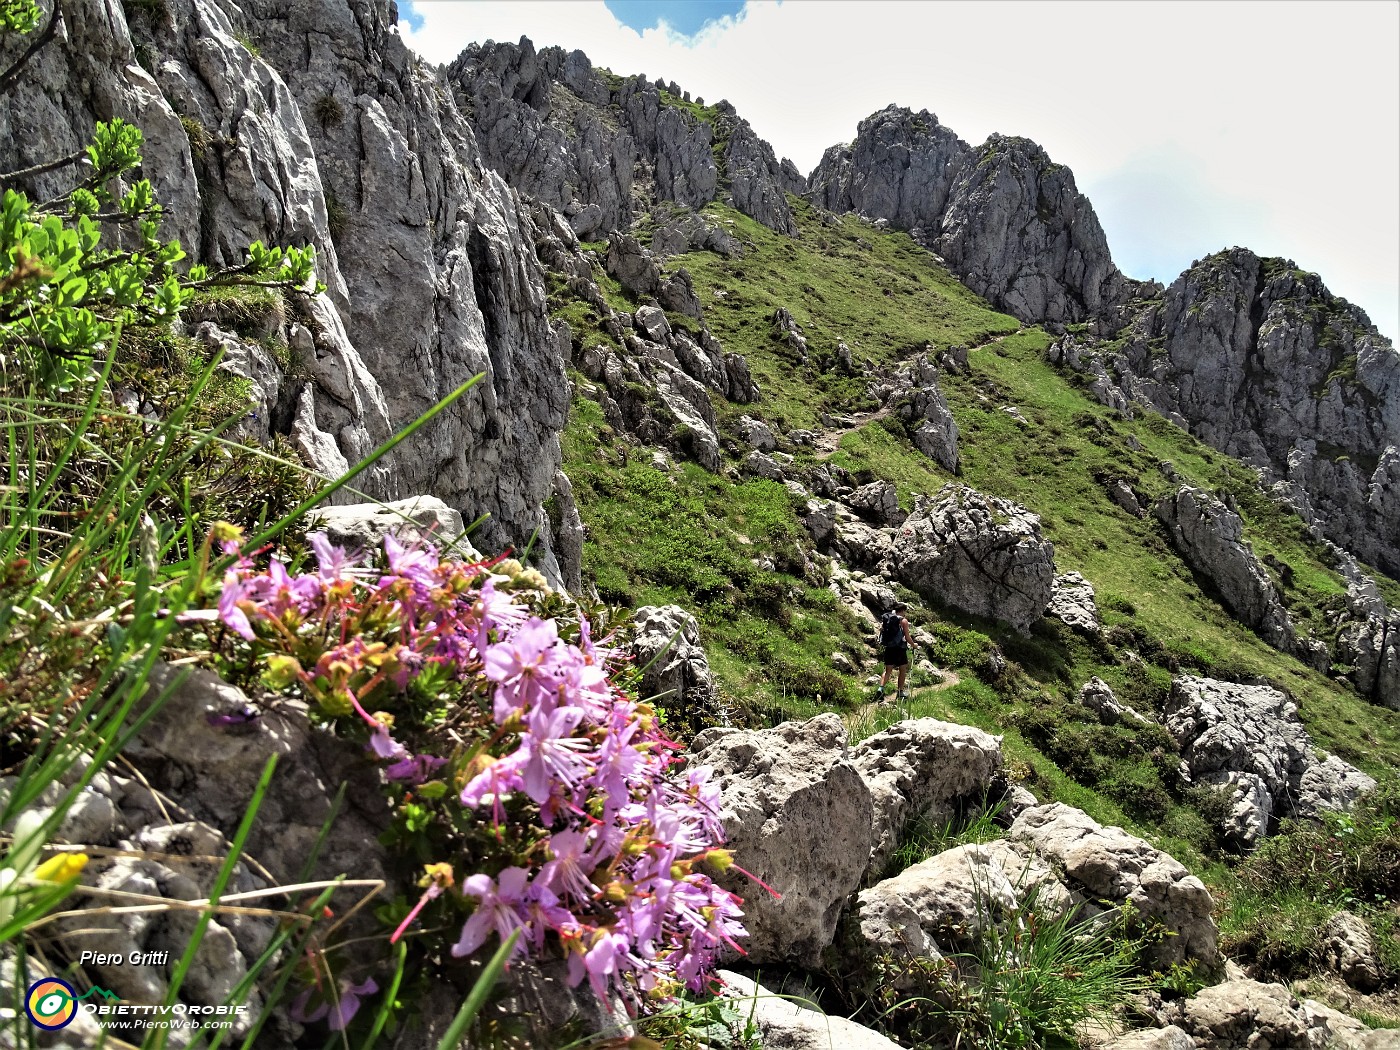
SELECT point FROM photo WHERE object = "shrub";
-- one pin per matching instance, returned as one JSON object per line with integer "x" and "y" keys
{"x": 336, "y": 215}
{"x": 1031, "y": 980}
{"x": 198, "y": 135}
{"x": 924, "y": 838}
{"x": 328, "y": 110}
{"x": 1282, "y": 894}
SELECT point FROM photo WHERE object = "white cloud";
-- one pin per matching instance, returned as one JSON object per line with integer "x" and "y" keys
{"x": 1275, "y": 126}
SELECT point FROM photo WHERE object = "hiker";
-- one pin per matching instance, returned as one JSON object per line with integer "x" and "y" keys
{"x": 896, "y": 642}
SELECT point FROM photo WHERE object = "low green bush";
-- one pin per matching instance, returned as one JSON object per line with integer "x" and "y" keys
{"x": 1277, "y": 900}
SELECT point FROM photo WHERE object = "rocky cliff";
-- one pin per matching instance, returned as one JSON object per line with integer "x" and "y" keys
{"x": 1260, "y": 360}
{"x": 603, "y": 149}
{"x": 1254, "y": 356}
{"x": 312, "y": 123}
{"x": 1263, "y": 362}
{"x": 1004, "y": 217}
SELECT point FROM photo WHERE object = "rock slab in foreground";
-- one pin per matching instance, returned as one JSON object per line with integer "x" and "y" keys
{"x": 788, "y": 1025}
{"x": 418, "y": 519}
{"x": 797, "y": 815}
{"x": 1247, "y": 1013}
{"x": 1109, "y": 864}
{"x": 917, "y": 769}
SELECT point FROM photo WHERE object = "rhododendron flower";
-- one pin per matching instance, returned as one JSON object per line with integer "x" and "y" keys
{"x": 385, "y": 746}
{"x": 416, "y": 564}
{"x": 414, "y": 769}
{"x": 555, "y": 757}
{"x": 337, "y": 1014}
{"x": 501, "y": 904}
{"x": 334, "y": 564}
{"x": 495, "y": 783}
{"x": 230, "y": 612}
{"x": 568, "y": 869}
{"x": 606, "y": 834}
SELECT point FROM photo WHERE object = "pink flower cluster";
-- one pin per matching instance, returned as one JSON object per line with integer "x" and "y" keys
{"x": 555, "y": 759}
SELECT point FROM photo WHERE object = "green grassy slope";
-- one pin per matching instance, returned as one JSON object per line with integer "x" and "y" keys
{"x": 693, "y": 538}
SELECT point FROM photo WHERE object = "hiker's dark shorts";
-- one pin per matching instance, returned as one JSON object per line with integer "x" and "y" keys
{"x": 897, "y": 657}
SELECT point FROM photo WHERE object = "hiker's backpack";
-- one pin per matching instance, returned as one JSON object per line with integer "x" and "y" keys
{"x": 891, "y": 633}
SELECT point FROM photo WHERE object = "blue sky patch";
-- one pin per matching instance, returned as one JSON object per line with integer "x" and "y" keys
{"x": 687, "y": 17}
{"x": 407, "y": 14}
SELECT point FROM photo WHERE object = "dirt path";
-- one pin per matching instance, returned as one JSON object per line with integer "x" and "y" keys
{"x": 867, "y": 711}
{"x": 828, "y": 441}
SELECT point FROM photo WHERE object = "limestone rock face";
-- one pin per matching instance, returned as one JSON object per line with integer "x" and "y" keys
{"x": 1109, "y": 864}
{"x": 1209, "y": 536}
{"x": 1009, "y": 222}
{"x": 877, "y": 502}
{"x": 756, "y": 434}
{"x": 334, "y": 109}
{"x": 1261, "y": 361}
{"x": 761, "y": 465}
{"x": 923, "y": 406}
{"x": 1073, "y": 603}
{"x": 919, "y": 769}
{"x": 189, "y": 753}
{"x": 419, "y": 519}
{"x": 686, "y": 231}
{"x": 1019, "y": 232}
{"x": 576, "y": 162}
{"x": 1250, "y": 806}
{"x": 601, "y": 151}
{"x": 819, "y": 517}
{"x": 940, "y": 905}
{"x": 979, "y": 553}
{"x": 667, "y": 645}
{"x": 901, "y": 167}
{"x": 1226, "y": 728}
{"x": 757, "y": 182}
{"x": 798, "y": 816}
{"x": 1349, "y": 949}
{"x": 1168, "y": 1038}
{"x": 1372, "y": 648}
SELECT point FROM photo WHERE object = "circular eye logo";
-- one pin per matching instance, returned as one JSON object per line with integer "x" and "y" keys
{"x": 51, "y": 1003}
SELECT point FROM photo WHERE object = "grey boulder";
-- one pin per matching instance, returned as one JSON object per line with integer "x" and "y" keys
{"x": 1073, "y": 603}
{"x": 1209, "y": 536}
{"x": 675, "y": 670}
{"x": 418, "y": 519}
{"x": 797, "y": 815}
{"x": 981, "y": 554}
{"x": 1107, "y": 864}
{"x": 918, "y": 770}
{"x": 785, "y": 1024}
{"x": 1224, "y": 728}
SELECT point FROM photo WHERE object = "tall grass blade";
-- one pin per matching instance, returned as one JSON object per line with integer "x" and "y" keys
{"x": 477, "y": 999}
{"x": 240, "y": 837}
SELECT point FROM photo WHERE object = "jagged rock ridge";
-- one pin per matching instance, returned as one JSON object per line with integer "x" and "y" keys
{"x": 1260, "y": 360}
{"x": 1005, "y": 218}
{"x": 603, "y": 149}
{"x": 1254, "y": 356}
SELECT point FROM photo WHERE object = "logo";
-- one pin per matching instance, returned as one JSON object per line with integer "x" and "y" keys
{"x": 51, "y": 1004}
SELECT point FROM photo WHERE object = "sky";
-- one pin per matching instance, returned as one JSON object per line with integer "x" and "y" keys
{"x": 1191, "y": 126}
